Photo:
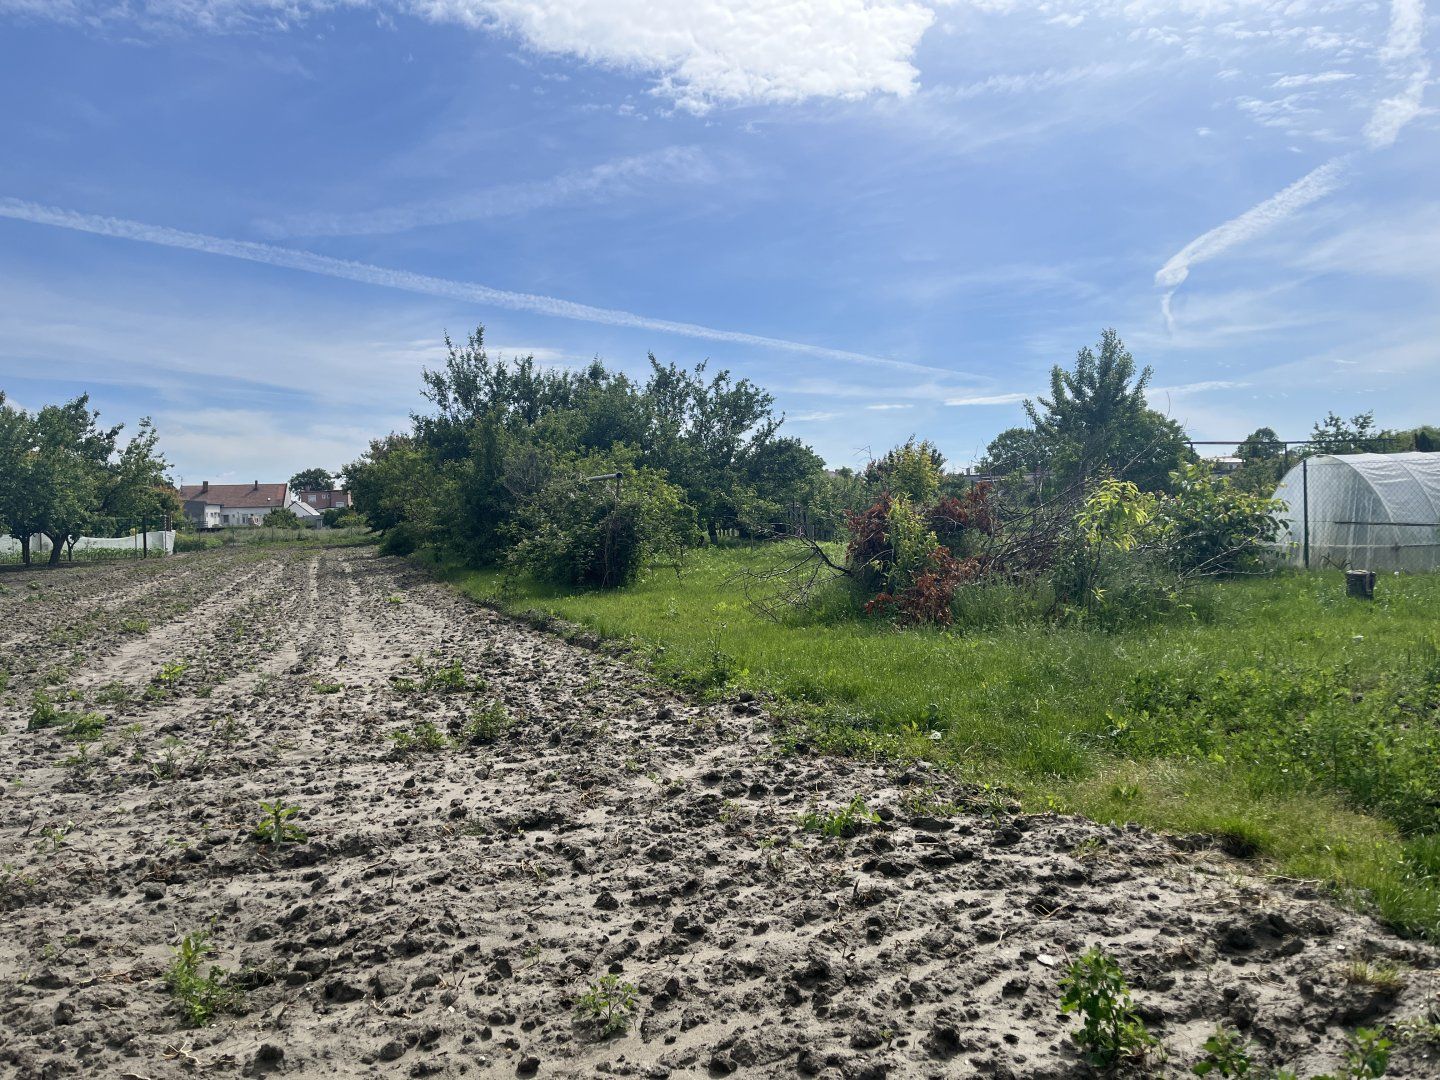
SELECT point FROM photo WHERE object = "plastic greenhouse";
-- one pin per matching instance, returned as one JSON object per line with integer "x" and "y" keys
{"x": 1363, "y": 511}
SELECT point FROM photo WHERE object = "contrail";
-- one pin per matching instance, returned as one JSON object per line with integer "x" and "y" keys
{"x": 1387, "y": 117}
{"x": 1263, "y": 216}
{"x": 311, "y": 263}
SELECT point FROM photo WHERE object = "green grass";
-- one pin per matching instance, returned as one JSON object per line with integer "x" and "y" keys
{"x": 1297, "y": 725}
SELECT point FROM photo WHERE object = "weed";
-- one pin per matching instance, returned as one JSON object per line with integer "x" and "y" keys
{"x": 926, "y": 802}
{"x": 84, "y": 727}
{"x": 609, "y": 1004}
{"x": 276, "y": 827}
{"x": 449, "y": 679}
{"x": 328, "y": 688}
{"x": 135, "y": 626}
{"x": 395, "y": 598}
{"x": 43, "y": 712}
{"x": 1367, "y": 1056}
{"x": 80, "y": 763}
{"x": 402, "y": 685}
{"x": 487, "y": 725}
{"x": 1386, "y": 977}
{"x": 199, "y": 994}
{"x": 1226, "y": 1055}
{"x": 53, "y": 838}
{"x": 425, "y": 737}
{"x": 113, "y": 693}
{"x": 4, "y": 680}
{"x": 229, "y": 731}
{"x": 167, "y": 680}
{"x": 1095, "y": 987}
{"x": 168, "y": 767}
{"x": 845, "y": 822}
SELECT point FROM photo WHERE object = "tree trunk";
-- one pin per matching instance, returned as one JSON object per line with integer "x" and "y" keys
{"x": 57, "y": 548}
{"x": 714, "y": 536}
{"x": 25, "y": 549}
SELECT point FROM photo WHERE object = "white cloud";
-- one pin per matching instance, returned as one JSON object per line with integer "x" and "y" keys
{"x": 1194, "y": 388}
{"x": 309, "y": 262}
{"x": 1394, "y": 112}
{"x": 699, "y": 52}
{"x": 708, "y": 51}
{"x": 888, "y": 406}
{"x": 1319, "y": 78}
{"x": 988, "y": 399}
{"x": 607, "y": 180}
{"x": 1407, "y": 30}
{"x": 811, "y": 417}
{"x": 240, "y": 445}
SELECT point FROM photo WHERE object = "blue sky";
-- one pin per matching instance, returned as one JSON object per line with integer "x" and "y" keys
{"x": 254, "y": 219}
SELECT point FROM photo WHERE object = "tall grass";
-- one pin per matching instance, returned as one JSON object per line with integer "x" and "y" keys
{"x": 1297, "y": 725}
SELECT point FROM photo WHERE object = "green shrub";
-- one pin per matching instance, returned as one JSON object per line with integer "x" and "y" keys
{"x": 402, "y": 539}
{"x": 282, "y": 518}
{"x": 1210, "y": 526}
{"x": 579, "y": 532}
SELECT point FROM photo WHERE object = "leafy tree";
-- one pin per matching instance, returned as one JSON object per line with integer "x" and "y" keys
{"x": 312, "y": 480}
{"x": 704, "y": 434}
{"x": 1262, "y": 444}
{"x": 1358, "y": 435}
{"x": 68, "y": 471}
{"x": 1015, "y": 449}
{"x": 16, "y": 440}
{"x": 137, "y": 486}
{"x": 1096, "y": 420}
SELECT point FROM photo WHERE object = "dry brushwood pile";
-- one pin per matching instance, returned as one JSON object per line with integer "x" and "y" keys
{"x": 305, "y": 813}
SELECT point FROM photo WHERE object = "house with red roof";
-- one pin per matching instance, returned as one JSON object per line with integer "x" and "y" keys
{"x": 218, "y": 506}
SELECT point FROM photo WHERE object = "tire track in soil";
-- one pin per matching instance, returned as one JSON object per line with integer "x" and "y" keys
{"x": 449, "y": 908}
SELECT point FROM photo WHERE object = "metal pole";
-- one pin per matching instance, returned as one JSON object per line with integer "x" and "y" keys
{"x": 1305, "y": 504}
{"x": 144, "y": 538}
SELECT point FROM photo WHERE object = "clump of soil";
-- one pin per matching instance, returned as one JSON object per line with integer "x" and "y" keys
{"x": 488, "y": 898}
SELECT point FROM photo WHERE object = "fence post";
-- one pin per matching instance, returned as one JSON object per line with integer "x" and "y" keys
{"x": 1305, "y": 504}
{"x": 144, "y": 538}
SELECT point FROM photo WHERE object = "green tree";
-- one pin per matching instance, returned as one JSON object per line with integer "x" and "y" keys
{"x": 1015, "y": 450}
{"x": 68, "y": 471}
{"x": 312, "y": 480}
{"x": 1262, "y": 444}
{"x": 703, "y": 433}
{"x": 1096, "y": 420}
{"x": 137, "y": 485}
{"x": 1358, "y": 435}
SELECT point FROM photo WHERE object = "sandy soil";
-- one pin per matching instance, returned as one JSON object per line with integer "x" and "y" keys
{"x": 451, "y": 906}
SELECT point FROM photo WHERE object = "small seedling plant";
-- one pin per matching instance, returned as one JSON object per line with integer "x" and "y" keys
{"x": 277, "y": 826}
{"x": 1110, "y": 1031}
{"x": 200, "y": 995}
{"x": 847, "y": 821}
{"x": 609, "y": 1004}
{"x": 1226, "y": 1055}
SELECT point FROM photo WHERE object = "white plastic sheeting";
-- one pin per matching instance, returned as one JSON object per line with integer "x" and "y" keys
{"x": 1363, "y": 511}
{"x": 156, "y": 541}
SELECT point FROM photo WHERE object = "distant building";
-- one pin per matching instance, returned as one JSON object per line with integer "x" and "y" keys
{"x": 334, "y": 499}
{"x": 217, "y": 506}
{"x": 1224, "y": 466}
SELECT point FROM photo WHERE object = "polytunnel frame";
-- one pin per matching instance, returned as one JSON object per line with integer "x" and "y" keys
{"x": 1374, "y": 445}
